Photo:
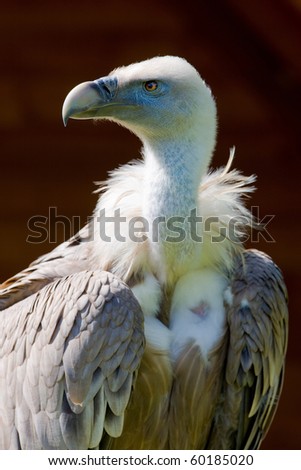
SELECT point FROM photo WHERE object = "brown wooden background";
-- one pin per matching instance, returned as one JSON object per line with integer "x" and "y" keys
{"x": 250, "y": 54}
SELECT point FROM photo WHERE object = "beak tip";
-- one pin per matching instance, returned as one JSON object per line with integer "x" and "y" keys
{"x": 83, "y": 101}
{"x": 67, "y": 112}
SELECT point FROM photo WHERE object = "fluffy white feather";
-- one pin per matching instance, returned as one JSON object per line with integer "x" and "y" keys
{"x": 197, "y": 311}
{"x": 221, "y": 196}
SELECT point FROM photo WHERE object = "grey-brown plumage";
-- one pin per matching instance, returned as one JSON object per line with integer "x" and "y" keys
{"x": 68, "y": 360}
{"x": 258, "y": 330}
{"x": 191, "y": 354}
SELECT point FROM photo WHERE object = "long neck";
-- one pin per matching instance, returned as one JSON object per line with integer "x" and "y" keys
{"x": 173, "y": 173}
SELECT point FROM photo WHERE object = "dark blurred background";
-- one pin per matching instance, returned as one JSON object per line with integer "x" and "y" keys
{"x": 249, "y": 53}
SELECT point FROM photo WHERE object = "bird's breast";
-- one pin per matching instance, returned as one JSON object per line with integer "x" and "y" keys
{"x": 178, "y": 382}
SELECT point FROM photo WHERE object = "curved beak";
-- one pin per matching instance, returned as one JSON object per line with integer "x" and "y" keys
{"x": 87, "y": 100}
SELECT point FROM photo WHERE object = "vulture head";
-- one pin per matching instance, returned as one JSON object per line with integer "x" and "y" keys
{"x": 161, "y": 100}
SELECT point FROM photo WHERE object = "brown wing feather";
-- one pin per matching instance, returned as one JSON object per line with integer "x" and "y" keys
{"x": 195, "y": 393}
{"x": 258, "y": 325}
{"x": 146, "y": 417}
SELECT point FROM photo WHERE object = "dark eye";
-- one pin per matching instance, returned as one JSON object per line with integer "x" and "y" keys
{"x": 151, "y": 85}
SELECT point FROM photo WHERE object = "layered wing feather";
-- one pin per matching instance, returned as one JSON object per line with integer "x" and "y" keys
{"x": 258, "y": 327}
{"x": 68, "y": 359}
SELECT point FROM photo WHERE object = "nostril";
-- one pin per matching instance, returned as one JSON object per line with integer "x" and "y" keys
{"x": 106, "y": 87}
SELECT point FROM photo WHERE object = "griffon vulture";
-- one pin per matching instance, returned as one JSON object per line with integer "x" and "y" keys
{"x": 153, "y": 327}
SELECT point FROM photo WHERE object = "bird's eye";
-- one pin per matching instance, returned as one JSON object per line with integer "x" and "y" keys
{"x": 151, "y": 85}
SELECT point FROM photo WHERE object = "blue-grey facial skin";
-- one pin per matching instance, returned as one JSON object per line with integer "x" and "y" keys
{"x": 131, "y": 102}
{"x": 136, "y": 105}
